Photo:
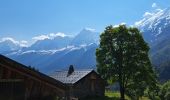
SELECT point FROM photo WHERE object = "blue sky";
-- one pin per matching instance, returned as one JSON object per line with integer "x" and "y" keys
{"x": 25, "y": 19}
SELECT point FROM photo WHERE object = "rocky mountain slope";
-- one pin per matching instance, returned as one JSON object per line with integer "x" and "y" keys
{"x": 156, "y": 31}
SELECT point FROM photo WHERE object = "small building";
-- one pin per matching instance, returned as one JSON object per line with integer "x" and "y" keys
{"x": 19, "y": 82}
{"x": 81, "y": 83}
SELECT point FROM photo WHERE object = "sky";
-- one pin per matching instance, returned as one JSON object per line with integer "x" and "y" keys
{"x": 26, "y": 19}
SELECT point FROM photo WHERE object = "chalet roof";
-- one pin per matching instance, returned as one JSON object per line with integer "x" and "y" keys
{"x": 71, "y": 78}
{"x": 5, "y": 61}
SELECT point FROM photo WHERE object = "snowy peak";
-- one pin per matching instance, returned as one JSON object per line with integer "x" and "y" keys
{"x": 56, "y": 42}
{"x": 60, "y": 40}
{"x": 154, "y": 19}
{"x": 9, "y": 44}
{"x": 155, "y": 24}
{"x": 86, "y": 36}
{"x": 51, "y": 41}
{"x": 89, "y": 30}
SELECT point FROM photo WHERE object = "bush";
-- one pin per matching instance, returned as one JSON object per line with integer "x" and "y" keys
{"x": 165, "y": 91}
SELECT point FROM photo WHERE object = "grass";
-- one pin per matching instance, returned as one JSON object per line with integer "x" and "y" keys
{"x": 109, "y": 95}
{"x": 144, "y": 98}
{"x": 117, "y": 95}
{"x": 100, "y": 98}
{"x": 114, "y": 94}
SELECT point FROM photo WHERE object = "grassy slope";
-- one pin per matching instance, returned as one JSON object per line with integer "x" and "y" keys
{"x": 114, "y": 95}
{"x": 111, "y": 96}
{"x": 117, "y": 95}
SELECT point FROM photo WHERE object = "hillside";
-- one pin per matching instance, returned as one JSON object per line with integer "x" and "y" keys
{"x": 156, "y": 31}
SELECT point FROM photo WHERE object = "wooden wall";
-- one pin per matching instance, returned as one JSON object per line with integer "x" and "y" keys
{"x": 19, "y": 86}
{"x": 91, "y": 85}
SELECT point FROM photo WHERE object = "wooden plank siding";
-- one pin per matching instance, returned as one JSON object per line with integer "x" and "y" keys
{"x": 37, "y": 86}
{"x": 91, "y": 85}
{"x": 19, "y": 82}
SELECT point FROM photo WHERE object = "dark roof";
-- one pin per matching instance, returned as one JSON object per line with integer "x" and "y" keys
{"x": 5, "y": 61}
{"x": 71, "y": 78}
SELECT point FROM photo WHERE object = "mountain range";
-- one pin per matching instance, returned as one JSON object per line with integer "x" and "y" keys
{"x": 156, "y": 32}
{"x": 58, "y": 53}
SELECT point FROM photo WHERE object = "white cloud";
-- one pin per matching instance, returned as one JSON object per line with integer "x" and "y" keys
{"x": 115, "y": 25}
{"x": 90, "y": 29}
{"x": 159, "y": 10}
{"x": 41, "y": 37}
{"x": 53, "y": 35}
{"x": 138, "y": 23}
{"x": 147, "y": 14}
{"x": 153, "y": 12}
{"x": 154, "y": 5}
{"x": 9, "y": 39}
{"x": 22, "y": 43}
{"x": 123, "y": 23}
{"x": 49, "y": 36}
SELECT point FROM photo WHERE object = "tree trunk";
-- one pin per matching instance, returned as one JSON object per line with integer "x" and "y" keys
{"x": 122, "y": 92}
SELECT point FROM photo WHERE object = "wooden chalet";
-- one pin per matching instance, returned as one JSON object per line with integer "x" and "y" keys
{"x": 19, "y": 82}
{"x": 81, "y": 83}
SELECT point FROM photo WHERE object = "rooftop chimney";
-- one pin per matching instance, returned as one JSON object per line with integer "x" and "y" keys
{"x": 71, "y": 70}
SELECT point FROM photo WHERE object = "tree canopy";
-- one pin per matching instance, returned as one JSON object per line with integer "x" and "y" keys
{"x": 165, "y": 91}
{"x": 122, "y": 57}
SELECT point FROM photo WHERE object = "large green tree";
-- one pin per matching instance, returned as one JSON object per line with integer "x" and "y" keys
{"x": 165, "y": 91}
{"x": 122, "y": 57}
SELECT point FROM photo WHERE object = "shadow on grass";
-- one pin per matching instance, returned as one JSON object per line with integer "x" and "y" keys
{"x": 100, "y": 98}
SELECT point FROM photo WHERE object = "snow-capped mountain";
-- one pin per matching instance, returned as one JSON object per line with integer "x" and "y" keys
{"x": 86, "y": 36}
{"x": 57, "y": 59}
{"x": 156, "y": 31}
{"x": 8, "y": 45}
{"x": 60, "y": 51}
{"x": 54, "y": 43}
{"x": 156, "y": 25}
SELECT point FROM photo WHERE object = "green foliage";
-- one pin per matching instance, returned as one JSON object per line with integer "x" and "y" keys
{"x": 123, "y": 57}
{"x": 153, "y": 92}
{"x": 115, "y": 94}
{"x": 52, "y": 97}
{"x": 160, "y": 92}
{"x": 160, "y": 56}
{"x": 100, "y": 98}
{"x": 165, "y": 91}
{"x": 109, "y": 95}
